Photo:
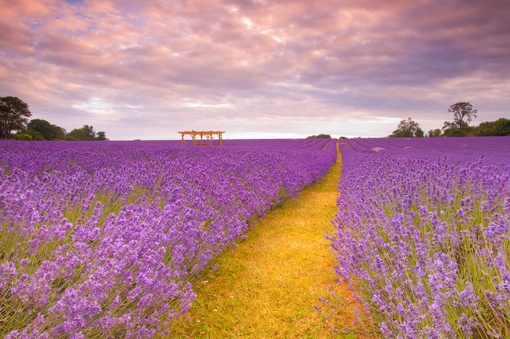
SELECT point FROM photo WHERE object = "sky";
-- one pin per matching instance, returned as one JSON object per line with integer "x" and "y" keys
{"x": 254, "y": 68}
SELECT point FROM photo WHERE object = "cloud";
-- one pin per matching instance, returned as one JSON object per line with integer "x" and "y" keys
{"x": 238, "y": 65}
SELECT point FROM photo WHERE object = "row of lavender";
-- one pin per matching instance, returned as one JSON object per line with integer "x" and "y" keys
{"x": 423, "y": 235}
{"x": 102, "y": 239}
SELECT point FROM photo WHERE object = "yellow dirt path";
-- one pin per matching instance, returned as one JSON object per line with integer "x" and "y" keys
{"x": 267, "y": 287}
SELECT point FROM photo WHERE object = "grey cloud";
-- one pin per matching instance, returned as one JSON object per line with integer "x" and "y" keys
{"x": 247, "y": 62}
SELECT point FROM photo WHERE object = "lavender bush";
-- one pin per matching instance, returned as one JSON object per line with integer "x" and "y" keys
{"x": 103, "y": 239}
{"x": 423, "y": 235}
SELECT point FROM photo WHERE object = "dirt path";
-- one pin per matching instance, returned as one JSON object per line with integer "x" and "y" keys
{"x": 268, "y": 286}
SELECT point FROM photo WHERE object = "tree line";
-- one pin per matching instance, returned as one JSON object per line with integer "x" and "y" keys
{"x": 14, "y": 115}
{"x": 463, "y": 114}
{"x": 320, "y": 136}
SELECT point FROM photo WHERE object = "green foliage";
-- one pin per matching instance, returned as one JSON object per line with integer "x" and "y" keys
{"x": 22, "y": 136}
{"x": 407, "y": 129}
{"x": 34, "y": 134}
{"x": 325, "y": 136}
{"x": 28, "y": 135}
{"x": 455, "y": 131}
{"x": 86, "y": 133}
{"x": 434, "y": 133}
{"x": 101, "y": 136}
{"x": 463, "y": 114}
{"x": 14, "y": 114}
{"x": 500, "y": 127}
{"x": 47, "y": 130}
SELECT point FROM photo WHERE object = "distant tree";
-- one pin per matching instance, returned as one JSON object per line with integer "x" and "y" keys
{"x": 325, "y": 136}
{"x": 22, "y": 136}
{"x": 47, "y": 130}
{"x": 101, "y": 136}
{"x": 33, "y": 134}
{"x": 434, "y": 133}
{"x": 500, "y": 127}
{"x": 407, "y": 128}
{"x": 463, "y": 114}
{"x": 455, "y": 131}
{"x": 84, "y": 133}
{"x": 14, "y": 114}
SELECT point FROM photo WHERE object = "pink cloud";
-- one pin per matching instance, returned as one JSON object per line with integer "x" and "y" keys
{"x": 360, "y": 59}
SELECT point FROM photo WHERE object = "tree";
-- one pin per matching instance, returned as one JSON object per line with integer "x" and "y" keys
{"x": 14, "y": 114}
{"x": 325, "y": 136}
{"x": 34, "y": 135}
{"x": 463, "y": 114}
{"x": 84, "y": 133}
{"x": 101, "y": 136}
{"x": 452, "y": 130}
{"x": 434, "y": 133}
{"x": 47, "y": 130}
{"x": 22, "y": 136}
{"x": 407, "y": 129}
{"x": 500, "y": 127}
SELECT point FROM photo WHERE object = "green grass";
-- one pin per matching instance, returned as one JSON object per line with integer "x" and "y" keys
{"x": 268, "y": 286}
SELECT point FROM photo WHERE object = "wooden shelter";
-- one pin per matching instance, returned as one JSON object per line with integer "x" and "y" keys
{"x": 207, "y": 134}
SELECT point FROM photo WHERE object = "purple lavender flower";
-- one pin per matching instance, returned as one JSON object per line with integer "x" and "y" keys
{"x": 423, "y": 237}
{"x": 121, "y": 228}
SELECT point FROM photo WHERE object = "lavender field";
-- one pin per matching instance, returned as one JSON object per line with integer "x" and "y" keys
{"x": 103, "y": 239}
{"x": 423, "y": 235}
